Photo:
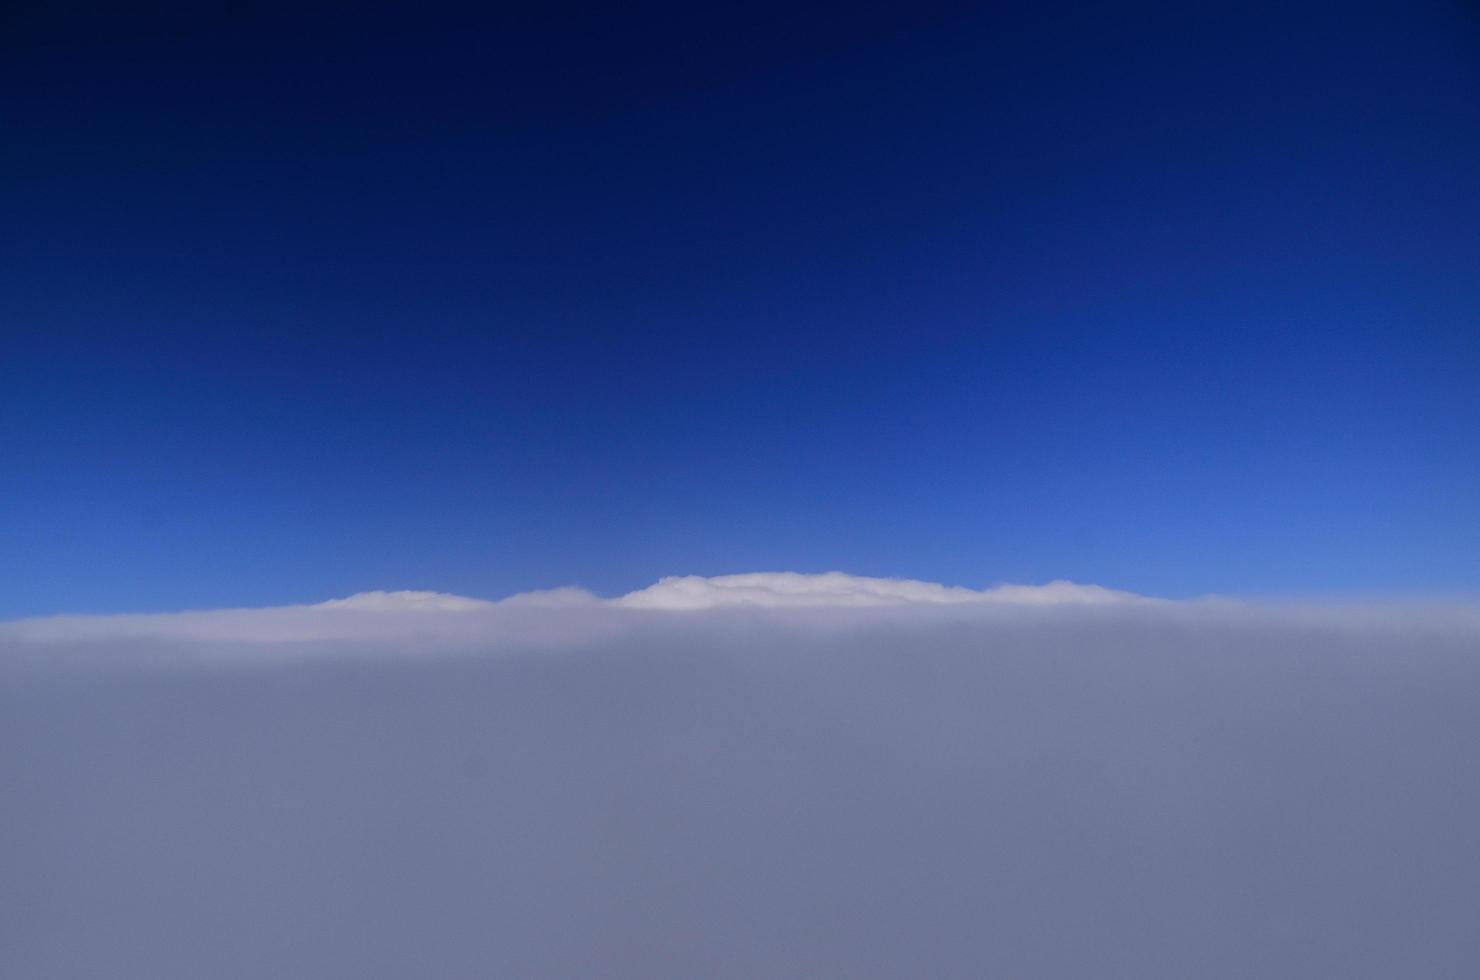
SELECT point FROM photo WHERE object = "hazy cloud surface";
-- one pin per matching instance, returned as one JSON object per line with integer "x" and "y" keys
{"x": 769, "y": 775}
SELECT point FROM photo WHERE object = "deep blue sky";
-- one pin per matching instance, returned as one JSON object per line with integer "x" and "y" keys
{"x": 1169, "y": 300}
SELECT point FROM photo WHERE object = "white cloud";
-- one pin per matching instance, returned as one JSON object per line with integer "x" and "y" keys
{"x": 460, "y": 619}
{"x": 438, "y": 620}
{"x": 405, "y": 602}
{"x": 791, "y": 589}
{"x": 767, "y": 775}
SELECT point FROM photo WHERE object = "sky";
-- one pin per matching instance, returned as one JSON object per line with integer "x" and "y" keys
{"x": 316, "y": 301}
{"x": 740, "y": 490}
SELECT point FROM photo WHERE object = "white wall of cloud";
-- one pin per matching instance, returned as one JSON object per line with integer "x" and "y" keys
{"x": 572, "y": 615}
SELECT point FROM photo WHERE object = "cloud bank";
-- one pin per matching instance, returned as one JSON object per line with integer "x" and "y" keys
{"x": 441, "y": 621}
{"x": 434, "y": 616}
{"x": 794, "y": 590}
{"x": 748, "y": 776}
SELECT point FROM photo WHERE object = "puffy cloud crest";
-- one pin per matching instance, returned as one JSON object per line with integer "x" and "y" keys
{"x": 442, "y": 614}
{"x": 792, "y": 589}
{"x": 564, "y": 616}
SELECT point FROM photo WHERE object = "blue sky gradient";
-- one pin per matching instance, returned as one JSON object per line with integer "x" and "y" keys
{"x": 1171, "y": 301}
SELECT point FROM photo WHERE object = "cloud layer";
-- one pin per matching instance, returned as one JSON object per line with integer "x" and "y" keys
{"x": 436, "y": 621}
{"x": 750, "y": 776}
{"x": 790, "y": 589}
{"x": 457, "y": 619}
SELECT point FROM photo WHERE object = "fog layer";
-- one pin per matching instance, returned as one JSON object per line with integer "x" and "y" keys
{"x": 572, "y": 787}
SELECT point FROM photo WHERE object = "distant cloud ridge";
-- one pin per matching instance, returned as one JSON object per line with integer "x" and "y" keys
{"x": 795, "y": 589}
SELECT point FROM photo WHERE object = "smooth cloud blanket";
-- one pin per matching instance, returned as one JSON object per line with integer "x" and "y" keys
{"x": 769, "y": 775}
